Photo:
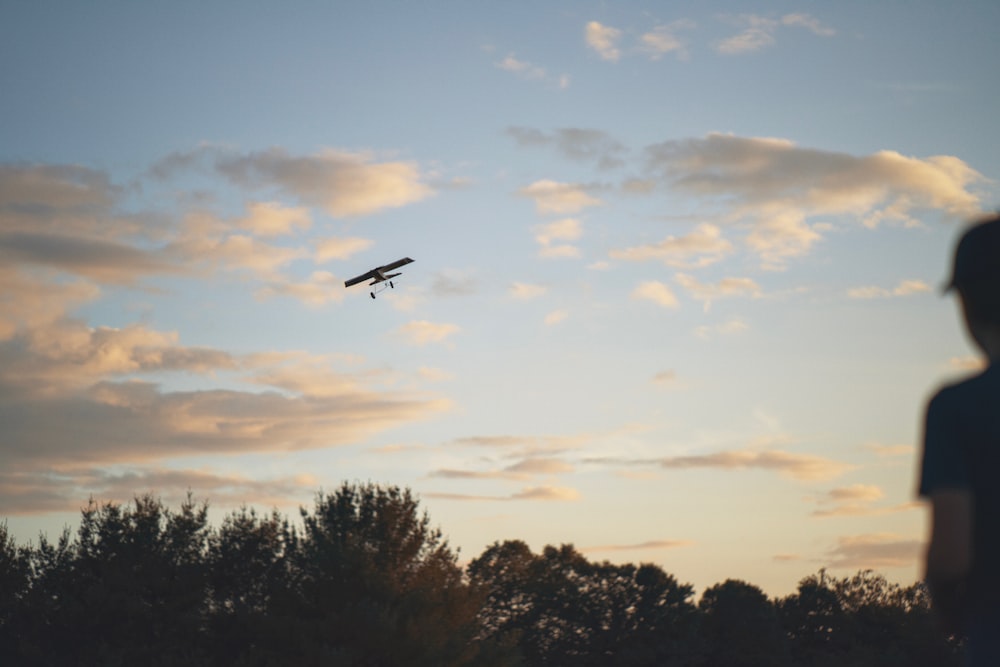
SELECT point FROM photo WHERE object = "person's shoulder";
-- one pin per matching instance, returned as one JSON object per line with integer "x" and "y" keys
{"x": 986, "y": 381}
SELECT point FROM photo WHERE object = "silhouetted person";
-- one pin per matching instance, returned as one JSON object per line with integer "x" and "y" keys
{"x": 960, "y": 472}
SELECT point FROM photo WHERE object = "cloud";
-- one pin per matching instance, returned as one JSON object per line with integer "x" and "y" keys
{"x": 136, "y": 422}
{"x": 49, "y": 300}
{"x": 555, "y": 317}
{"x": 759, "y": 32}
{"x": 702, "y": 247}
{"x": 889, "y": 450}
{"x": 664, "y": 39}
{"x": 657, "y": 292}
{"x": 422, "y": 332}
{"x": 431, "y": 374}
{"x": 567, "y": 229}
{"x": 523, "y": 446}
{"x": 652, "y": 545}
{"x": 578, "y": 144}
{"x": 602, "y": 39}
{"x": 803, "y": 467}
{"x": 730, "y": 327}
{"x": 856, "y": 493}
{"x": 775, "y": 187}
{"x": 522, "y": 68}
{"x": 67, "y": 490}
{"x": 857, "y": 500}
{"x": 274, "y": 219}
{"x": 543, "y": 493}
{"x": 322, "y": 287}
{"x": 99, "y": 260}
{"x": 667, "y": 377}
{"x": 340, "y": 247}
{"x": 808, "y": 22}
{"x": 874, "y": 551}
{"x": 525, "y": 291}
{"x": 724, "y": 288}
{"x": 342, "y": 183}
{"x": 558, "y": 198}
{"x": 973, "y": 364}
{"x": 451, "y": 282}
{"x": 67, "y": 355}
{"x": 904, "y": 288}
{"x": 523, "y": 469}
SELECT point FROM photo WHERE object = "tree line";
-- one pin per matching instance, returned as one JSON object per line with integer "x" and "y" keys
{"x": 366, "y": 580}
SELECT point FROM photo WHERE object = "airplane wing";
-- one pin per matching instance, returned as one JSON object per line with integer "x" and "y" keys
{"x": 377, "y": 272}
{"x": 360, "y": 279}
{"x": 395, "y": 265}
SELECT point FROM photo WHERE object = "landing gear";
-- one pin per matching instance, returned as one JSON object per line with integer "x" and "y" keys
{"x": 391, "y": 285}
{"x": 373, "y": 294}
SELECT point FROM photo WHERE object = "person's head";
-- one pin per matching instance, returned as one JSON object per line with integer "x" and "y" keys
{"x": 976, "y": 278}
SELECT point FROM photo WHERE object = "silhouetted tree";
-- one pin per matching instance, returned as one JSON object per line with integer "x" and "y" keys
{"x": 250, "y": 577}
{"x": 366, "y": 581}
{"x": 740, "y": 627}
{"x": 559, "y": 608}
{"x": 128, "y": 590}
{"x": 376, "y": 585}
{"x": 814, "y": 621}
{"x": 14, "y": 580}
{"x": 864, "y": 620}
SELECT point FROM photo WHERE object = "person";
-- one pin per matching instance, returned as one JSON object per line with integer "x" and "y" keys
{"x": 960, "y": 465}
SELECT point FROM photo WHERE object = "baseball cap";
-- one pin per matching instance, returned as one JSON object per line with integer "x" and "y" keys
{"x": 977, "y": 258}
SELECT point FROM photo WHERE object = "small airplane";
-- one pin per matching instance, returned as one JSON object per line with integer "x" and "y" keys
{"x": 379, "y": 275}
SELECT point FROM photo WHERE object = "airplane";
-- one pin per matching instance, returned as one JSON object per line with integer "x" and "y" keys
{"x": 379, "y": 274}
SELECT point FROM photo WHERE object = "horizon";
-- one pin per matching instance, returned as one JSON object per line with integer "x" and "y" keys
{"x": 675, "y": 290}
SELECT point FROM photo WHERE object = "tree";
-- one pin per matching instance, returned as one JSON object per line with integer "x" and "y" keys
{"x": 376, "y": 585}
{"x": 128, "y": 590}
{"x": 250, "y": 576}
{"x": 14, "y": 580}
{"x": 740, "y": 627}
{"x": 558, "y": 607}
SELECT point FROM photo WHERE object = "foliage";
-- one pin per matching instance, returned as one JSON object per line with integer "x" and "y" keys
{"x": 366, "y": 580}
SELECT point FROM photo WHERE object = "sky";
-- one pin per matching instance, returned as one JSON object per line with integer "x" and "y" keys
{"x": 675, "y": 295}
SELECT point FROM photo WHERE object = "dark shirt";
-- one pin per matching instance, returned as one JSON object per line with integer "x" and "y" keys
{"x": 962, "y": 451}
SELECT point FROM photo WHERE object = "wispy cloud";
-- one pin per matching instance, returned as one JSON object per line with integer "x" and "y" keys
{"x": 521, "y": 67}
{"x": 904, "y": 288}
{"x": 321, "y": 287}
{"x": 67, "y": 489}
{"x": 523, "y": 469}
{"x": 334, "y": 247}
{"x": 553, "y": 238}
{"x": 797, "y": 466}
{"x": 603, "y": 40}
{"x": 525, "y": 291}
{"x": 665, "y": 39}
{"x": 531, "y": 72}
{"x": 874, "y": 551}
{"x": 578, "y": 144}
{"x": 730, "y": 327}
{"x": 703, "y": 246}
{"x": 758, "y": 32}
{"x": 274, "y": 219}
{"x": 422, "y": 332}
{"x": 726, "y": 287}
{"x": 883, "y": 451}
{"x": 775, "y": 187}
{"x": 541, "y": 493}
{"x": 969, "y": 363}
{"x": 343, "y": 183}
{"x": 558, "y": 198}
{"x": 652, "y": 545}
{"x": 657, "y": 292}
{"x": 555, "y": 317}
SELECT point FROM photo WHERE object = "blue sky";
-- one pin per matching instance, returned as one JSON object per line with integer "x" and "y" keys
{"x": 675, "y": 290}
